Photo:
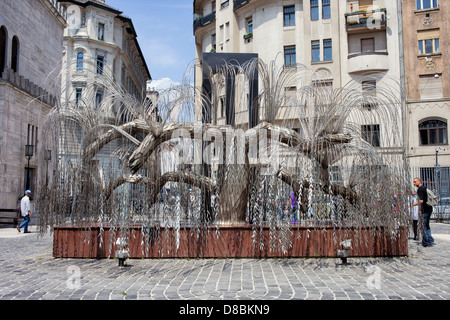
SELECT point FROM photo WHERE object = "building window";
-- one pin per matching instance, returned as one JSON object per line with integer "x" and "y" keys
{"x": 3, "y": 37}
{"x": 326, "y": 12}
{"x": 290, "y": 94}
{"x": 100, "y": 63}
{"x": 101, "y": 31}
{"x": 80, "y": 61}
{"x": 224, "y": 4}
{"x": 368, "y": 45}
{"x": 314, "y": 9}
{"x": 429, "y": 46}
{"x": 426, "y": 4}
{"x": 289, "y": 16}
{"x": 428, "y": 41}
{"x": 430, "y": 86}
{"x": 327, "y": 50}
{"x": 371, "y": 133}
{"x": 433, "y": 132}
{"x": 213, "y": 43}
{"x": 15, "y": 54}
{"x": 227, "y": 31}
{"x": 98, "y": 98}
{"x": 222, "y": 107}
{"x": 249, "y": 25}
{"x": 78, "y": 96}
{"x": 222, "y": 34}
{"x": 32, "y": 137}
{"x": 315, "y": 50}
{"x": 289, "y": 56}
{"x": 369, "y": 91}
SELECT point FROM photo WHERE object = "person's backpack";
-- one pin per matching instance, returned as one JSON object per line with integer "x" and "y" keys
{"x": 432, "y": 199}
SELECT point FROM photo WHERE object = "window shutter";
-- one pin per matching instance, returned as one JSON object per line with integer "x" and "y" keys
{"x": 365, "y": 5}
{"x": 367, "y": 45}
{"x": 428, "y": 34}
{"x": 430, "y": 87}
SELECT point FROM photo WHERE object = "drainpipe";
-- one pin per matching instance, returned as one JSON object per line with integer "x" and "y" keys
{"x": 402, "y": 83}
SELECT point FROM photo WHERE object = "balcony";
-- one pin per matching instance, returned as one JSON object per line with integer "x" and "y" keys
{"x": 202, "y": 21}
{"x": 237, "y": 4}
{"x": 361, "y": 21}
{"x": 368, "y": 61}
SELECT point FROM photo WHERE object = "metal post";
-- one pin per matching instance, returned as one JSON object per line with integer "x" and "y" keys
{"x": 28, "y": 155}
{"x": 437, "y": 179}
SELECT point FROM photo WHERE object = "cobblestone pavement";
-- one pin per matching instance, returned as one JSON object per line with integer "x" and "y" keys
{"x": 28, "y": 271}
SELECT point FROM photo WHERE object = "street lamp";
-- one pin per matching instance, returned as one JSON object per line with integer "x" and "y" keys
{"x": 29, "y": 149}
{"x": 47, "y": 158}
{"x": 438, "y": 176}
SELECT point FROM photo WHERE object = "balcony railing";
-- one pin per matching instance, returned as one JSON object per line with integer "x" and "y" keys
{"x": 202, "y": 21}
{"x": 237, "y": 4}
{"x": 366, "y": 20}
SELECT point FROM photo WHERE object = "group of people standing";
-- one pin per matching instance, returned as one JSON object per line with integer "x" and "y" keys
{"x": 419, "y": 199}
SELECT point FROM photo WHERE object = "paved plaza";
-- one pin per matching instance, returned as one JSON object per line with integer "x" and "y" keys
{"x": 29, "y": 272}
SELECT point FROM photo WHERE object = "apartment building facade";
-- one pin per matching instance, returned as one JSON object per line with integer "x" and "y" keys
{"x": 100, "y": 46}
{"x": 427, "y": 90}
{"x": 347, "y": 43}
{"x": 102, "y": 62}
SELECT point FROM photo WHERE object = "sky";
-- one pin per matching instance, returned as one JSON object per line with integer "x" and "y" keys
{"x": 165, "y": 35}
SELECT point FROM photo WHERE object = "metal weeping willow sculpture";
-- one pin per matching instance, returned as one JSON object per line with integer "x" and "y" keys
{"x": 141, "y": 168}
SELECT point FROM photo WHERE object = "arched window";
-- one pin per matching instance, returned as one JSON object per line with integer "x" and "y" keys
{"x": 15, "y": 54}
{"x": 80, "y": 59}
{"x": 433, "y": 132}
{"x": 3, "y": 38}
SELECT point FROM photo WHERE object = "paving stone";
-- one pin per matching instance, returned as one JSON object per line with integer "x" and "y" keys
{"x": 28, "y": 271}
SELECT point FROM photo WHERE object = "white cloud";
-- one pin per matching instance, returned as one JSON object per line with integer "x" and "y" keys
{"x": 162, "y": 84}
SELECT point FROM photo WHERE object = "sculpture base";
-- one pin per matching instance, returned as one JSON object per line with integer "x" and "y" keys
{"x": 228, "y": 242}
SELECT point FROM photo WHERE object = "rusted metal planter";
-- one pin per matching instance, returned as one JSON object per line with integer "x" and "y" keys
{"x": 227, "y": 242}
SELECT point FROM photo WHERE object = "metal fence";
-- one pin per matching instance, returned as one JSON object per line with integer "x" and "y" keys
{"x": 438, "y": 180}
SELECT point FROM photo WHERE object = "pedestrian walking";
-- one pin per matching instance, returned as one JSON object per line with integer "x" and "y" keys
{"x": 25, "y": 209}
{"x": 427, "y": 239}
{"x": 414, "y": 212}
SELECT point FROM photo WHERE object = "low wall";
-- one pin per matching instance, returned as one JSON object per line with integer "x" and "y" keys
{"x": 226, "y": 242}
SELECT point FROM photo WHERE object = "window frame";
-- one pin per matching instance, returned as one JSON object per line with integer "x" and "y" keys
{"x": 441, "y": 126}
{"x": 101, "y": 31}
{"x": 100, "y": 64}
{"x": 78, "y": 96}
{"x": 314, "y": 4}
{"x": 434, "y": 4}
{"x": 291, "y": 54}
{"x": 435, "y": 46}
{"x": 329, "y": 47}
{"x": 289, "y": 16}
{"x": 224, "y": 4}
{"x": 326, "y": 4}
{"x": 315, "y": 50}
{"x": 372, "y": 134}
{"x": 80, "y": 61}
{"x": 99, "y": 97}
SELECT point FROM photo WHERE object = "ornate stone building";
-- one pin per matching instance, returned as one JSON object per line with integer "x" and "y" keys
{"x": 31, "y": 45}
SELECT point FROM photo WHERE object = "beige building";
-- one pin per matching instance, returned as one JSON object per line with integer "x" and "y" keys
{"x": 102, "y": 59}
{"x": 31, "y": 45}
{"x": 427, "y": 84}
{"x": 100, "y": 46}
{"x": 342, "y": 41}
